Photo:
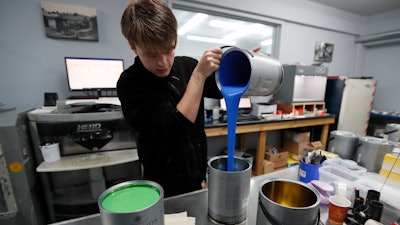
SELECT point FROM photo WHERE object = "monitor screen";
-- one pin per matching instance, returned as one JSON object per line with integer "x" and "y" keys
{"x": 93, "y": 73}
{"x": 244, "y": 103}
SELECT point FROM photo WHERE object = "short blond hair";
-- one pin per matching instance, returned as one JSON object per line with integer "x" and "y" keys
{"x": 149, "y": 23}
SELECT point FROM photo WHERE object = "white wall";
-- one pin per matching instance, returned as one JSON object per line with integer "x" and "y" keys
{"x": 382, "y": 62}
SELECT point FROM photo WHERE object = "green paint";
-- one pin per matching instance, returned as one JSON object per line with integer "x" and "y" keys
{"x": 131, "y": 198}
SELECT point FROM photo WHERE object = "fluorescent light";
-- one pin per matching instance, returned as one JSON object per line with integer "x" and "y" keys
{"x": 248, "y": 30}
{"x": 210, "y": 40}
{"x": 192, "y": 23}
{"x": 236, "y": 35}
{"x": 225, "y": 25}
{"x": 266, "y": 42}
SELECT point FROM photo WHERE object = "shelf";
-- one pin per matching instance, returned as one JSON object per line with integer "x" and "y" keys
{"x": 89, "y": 161}
{"x": 298, "y": 108}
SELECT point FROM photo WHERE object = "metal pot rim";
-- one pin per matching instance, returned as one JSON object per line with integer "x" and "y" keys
{"x": 126, "y": 184}
{"x": 316, "y": 204}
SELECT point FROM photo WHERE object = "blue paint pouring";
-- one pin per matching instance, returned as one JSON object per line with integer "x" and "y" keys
{"x": 233, "y": 76}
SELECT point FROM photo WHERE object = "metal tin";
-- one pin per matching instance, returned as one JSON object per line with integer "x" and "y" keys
{"x": 371, "y": 152}
{"x": 343, "y": 143}
{"x": 259, "y": 73}
{"x": 228, "y": 191}
{"x": 289, "y": 202}
{"x": 153, "y": 213}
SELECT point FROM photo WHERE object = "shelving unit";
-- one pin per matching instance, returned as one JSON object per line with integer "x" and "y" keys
{"x": 298, "y": 108}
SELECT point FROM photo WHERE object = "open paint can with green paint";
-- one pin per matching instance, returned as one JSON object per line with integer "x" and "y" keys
{"x": 132, "y": 203}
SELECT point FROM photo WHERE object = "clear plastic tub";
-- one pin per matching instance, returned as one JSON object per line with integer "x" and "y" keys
{"x": 341, "y": 178}
{"x": 348, "y": 164}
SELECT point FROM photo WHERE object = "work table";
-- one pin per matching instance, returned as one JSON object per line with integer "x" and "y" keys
{"x": 262, "y": 126}
{"x": 199, "y": 210}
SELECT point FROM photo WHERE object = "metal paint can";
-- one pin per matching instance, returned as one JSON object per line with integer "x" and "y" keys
{"x": 371, "y": 152}
{"x": 289, "y": 202}
{"x": 228, "y": 191}
{"x": 343, "y": 143}
{"x": 135, "y": 202}
{"x": 259, "y": 73}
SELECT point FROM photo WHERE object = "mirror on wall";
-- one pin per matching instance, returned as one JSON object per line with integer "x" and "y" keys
{"x": 202, "y": 29}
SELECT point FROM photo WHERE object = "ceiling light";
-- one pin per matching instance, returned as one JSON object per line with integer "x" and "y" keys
{"x": 247, "y": 30}
{"x": 225, "y": 25}
{"x": 211, "y": 40}
{"x": 196, "y": 19}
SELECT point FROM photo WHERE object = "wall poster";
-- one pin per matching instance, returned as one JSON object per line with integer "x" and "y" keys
{"x": 69, "y": 21}
{"x": 323, "y": 52}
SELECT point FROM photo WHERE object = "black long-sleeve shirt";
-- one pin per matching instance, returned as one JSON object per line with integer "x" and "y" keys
{"x": 172, "y": 149}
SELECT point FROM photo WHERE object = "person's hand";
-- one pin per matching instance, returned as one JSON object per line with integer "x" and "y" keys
{"x": 256, "y": 49}
{"x": 209, "y": 62}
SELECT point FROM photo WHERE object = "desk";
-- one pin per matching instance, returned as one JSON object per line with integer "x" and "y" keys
{"x": 196, "y": 204}
{"x": 262, "y": 126}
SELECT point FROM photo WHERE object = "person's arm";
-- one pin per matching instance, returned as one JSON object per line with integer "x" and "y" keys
{"x": 190, "y": 102}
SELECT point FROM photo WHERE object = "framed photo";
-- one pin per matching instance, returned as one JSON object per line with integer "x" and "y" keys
{"x": 69, "y": 21}
{"x": 323, "y": 52}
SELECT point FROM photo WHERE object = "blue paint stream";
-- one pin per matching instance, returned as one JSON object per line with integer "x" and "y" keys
{"x": 232, "y": 97}
{"x": 234, "y": 76}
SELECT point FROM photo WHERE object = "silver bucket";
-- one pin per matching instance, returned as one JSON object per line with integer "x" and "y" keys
{"x": 135, "y": 202}
{"x": 289, "y": 202}
{"x": 259, "y": 73}
{"x": 343, "y": 143}
{"x": 371, "y": 152}
{"x": 393, "y": 132}
{"x": 228, "y": 191}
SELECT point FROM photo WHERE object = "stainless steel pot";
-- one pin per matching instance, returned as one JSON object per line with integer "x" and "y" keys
{"x": 343, "y": 143}
{"x": 289, "y": 202}
{"x": 371, "y": 152}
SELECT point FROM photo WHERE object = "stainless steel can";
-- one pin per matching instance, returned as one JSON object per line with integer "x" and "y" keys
{"x": 259, "y": 73}
{"x": 135, "y": 202}
{"x": 228, "y": 191}
{"x": 343, "y": 143}
{"x": 289, "y": 202}
{"x": 371, "y": 152}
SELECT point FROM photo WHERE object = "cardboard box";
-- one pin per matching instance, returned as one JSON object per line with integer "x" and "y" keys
{"x": 281, "y": 154}
{"x": 389, "y": 163}
{"x": 294, "y": 147}
{"x": 296, "y": 156}
{"x": 297, "y": 136}
{"x": 315, "y": 145}
{"x": 268, "y": 166}
{"x": 391, "y": 175}
{"x": 280, "y": 163}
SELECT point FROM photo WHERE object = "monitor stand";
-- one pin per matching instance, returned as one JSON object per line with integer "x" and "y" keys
{"x": 93, "y": 96}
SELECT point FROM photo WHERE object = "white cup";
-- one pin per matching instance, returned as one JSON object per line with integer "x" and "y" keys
{"x": 50, "y": 152}
{"x": 215, "y": 114}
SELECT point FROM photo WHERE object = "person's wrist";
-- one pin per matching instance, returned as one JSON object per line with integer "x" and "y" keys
{"x": 199, "y": 75}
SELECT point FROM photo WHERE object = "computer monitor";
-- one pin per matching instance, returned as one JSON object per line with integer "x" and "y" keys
{"x": 93, "y": 74}
{"x": 244, "y": 105}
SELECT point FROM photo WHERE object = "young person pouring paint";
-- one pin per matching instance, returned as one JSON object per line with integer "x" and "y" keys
{"x": 162, "y": 98}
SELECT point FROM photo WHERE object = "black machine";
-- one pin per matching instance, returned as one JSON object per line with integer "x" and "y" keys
{"x": 85, "y": 133}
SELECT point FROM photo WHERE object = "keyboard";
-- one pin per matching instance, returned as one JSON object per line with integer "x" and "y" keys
{"x": 241, "y": 118}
